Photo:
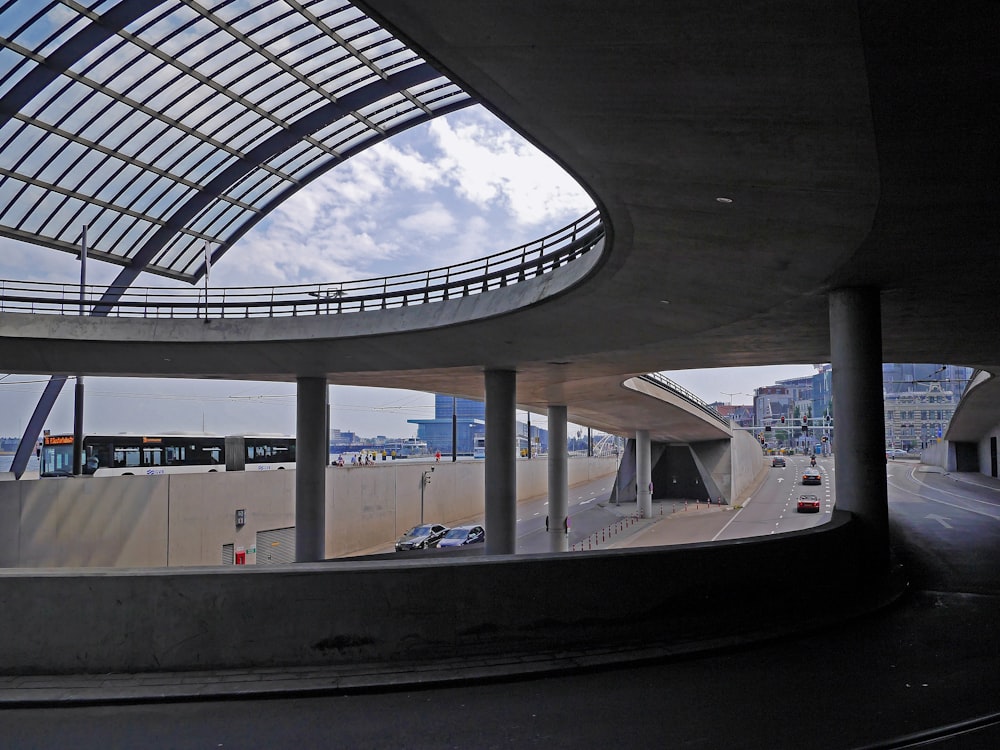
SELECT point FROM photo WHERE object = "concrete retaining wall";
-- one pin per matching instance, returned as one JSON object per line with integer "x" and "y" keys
{"x": 185, "y": 519}
{"x": 748, "y": 462}
{"x": 937, "y": 454}
{"x": 360, "y": 611}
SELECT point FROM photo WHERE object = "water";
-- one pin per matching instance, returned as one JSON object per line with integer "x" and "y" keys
{"x": 6, "y": 461}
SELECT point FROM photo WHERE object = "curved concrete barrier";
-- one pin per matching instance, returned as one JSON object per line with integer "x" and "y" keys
{"x": 57, "y": 622}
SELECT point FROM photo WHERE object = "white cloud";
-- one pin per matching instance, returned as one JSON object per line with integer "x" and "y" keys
{"x": 492, "y": 165}
{"x": 434, "y": 221}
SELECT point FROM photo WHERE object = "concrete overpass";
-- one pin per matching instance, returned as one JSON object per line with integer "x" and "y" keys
{"x": 853, "y": 150}
{"x": 778, "y": 184}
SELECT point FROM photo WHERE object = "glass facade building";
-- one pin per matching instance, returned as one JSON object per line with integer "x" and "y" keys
{"x": 470, "y": 423}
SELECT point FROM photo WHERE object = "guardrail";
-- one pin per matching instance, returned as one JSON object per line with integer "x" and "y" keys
{"x": 664, "y": 382}
{"x": 450, "y": 282}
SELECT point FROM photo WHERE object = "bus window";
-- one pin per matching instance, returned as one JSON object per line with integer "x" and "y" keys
{"x": 57, "y": 459}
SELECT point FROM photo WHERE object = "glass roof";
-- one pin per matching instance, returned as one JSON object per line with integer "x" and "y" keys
{"x": 168, "y": 125}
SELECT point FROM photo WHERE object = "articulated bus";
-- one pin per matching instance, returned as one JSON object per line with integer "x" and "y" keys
{"x": 123, "y": 455}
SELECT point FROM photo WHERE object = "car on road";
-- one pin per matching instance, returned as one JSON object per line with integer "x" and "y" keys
{"x": 460, "y": 536}
{"x": 778, "y": 461}
{"x": 812, "y": 476}
{"x": 895, "y": 452}
{"x": 421, "y": 537}
{"x": 807, "y": 503}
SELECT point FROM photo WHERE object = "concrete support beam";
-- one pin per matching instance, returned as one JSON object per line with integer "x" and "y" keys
{"x": 643, "y": 474}
{"x": 501, "y": 462}
{"x": 312, "y": 454}
{"x": 856, "y": 357}
{"x": 558, "y": 521}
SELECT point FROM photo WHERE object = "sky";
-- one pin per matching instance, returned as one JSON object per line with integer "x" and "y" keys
{"x": 458, "y": 188}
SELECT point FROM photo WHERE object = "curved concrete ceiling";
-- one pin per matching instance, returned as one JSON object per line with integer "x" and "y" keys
{"x": 852, "y": 143}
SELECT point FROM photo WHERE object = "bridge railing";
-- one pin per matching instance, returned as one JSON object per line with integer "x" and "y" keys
{"x": 664, "y": 382}
{"x": 495, "y": 271}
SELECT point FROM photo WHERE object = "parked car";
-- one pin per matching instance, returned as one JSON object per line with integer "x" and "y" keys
{"x": 421, "y": 537}
{"x": 463, "y": 535}
{"x": 894, "y": 452}
{"x": 778, "y": 461}
{"x": 812, "y": 476}
{"x": 808, "y": 503}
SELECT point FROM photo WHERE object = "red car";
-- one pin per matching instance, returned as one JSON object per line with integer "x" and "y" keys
{"x": 808, "y": 503}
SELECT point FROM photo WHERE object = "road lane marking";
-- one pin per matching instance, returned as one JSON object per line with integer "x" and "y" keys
{"x": 943, "y": 520}
{"x": 742, "y": 508}
{"x": 945, "y": 502}
{"x": 947, "y": 492}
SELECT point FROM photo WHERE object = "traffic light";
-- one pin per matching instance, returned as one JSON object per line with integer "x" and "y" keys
{"x": 805, "y": 427}
{"x": 782, "y": 420}
{"x": 767, "y": 428}
{"x": 825, "y": 438}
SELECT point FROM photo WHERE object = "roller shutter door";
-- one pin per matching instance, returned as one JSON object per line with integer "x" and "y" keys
{"x": 276, "y": 546}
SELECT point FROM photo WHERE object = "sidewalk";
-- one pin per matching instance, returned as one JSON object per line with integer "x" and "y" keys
{"x": 38, "y": 691}
{"x": 672, "y": 522}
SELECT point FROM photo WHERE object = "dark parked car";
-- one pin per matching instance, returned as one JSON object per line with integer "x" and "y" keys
{"x": 808, "y": 503}
{"x": 778, "y": 461}
{"x": 421, "y": 537}
{"x": 462, "y": 535}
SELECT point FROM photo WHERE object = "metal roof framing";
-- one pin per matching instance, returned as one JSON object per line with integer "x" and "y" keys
{"x": 169, "y": 125}
{"x": 166, "y": 126}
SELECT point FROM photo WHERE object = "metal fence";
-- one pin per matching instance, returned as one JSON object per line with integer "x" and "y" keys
{"x": 450, "y": 282}
{"x": 664, "y": 382}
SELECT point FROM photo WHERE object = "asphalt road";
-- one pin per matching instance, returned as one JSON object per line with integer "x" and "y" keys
{"x": 892, "y": 679}
{"x": 772, "y": 508}
{"x": 587, "y": 508}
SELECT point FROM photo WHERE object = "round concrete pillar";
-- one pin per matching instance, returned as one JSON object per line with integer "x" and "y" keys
{"x": 856, "y": 359}
{"x": 558, "y": 525}
{"x": 312, "y": 454}
{"x": 501, "y": 462}
{"x": 643, "y": 474}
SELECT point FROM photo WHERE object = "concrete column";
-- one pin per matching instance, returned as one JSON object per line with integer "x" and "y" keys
{"x": 643, "y": 474}
{"x": 501, "y": 462}
{"x": 856, "y": 358}
{"x": 558, "y": 523}
{"x": 312, "y": 454}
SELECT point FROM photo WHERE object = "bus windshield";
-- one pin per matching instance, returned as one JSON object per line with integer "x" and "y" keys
{"x": 56, "y": 459}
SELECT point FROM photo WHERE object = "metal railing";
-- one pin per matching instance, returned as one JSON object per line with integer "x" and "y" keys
{"x": 496, "y": 271}
{"x": 664, "y": 382}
